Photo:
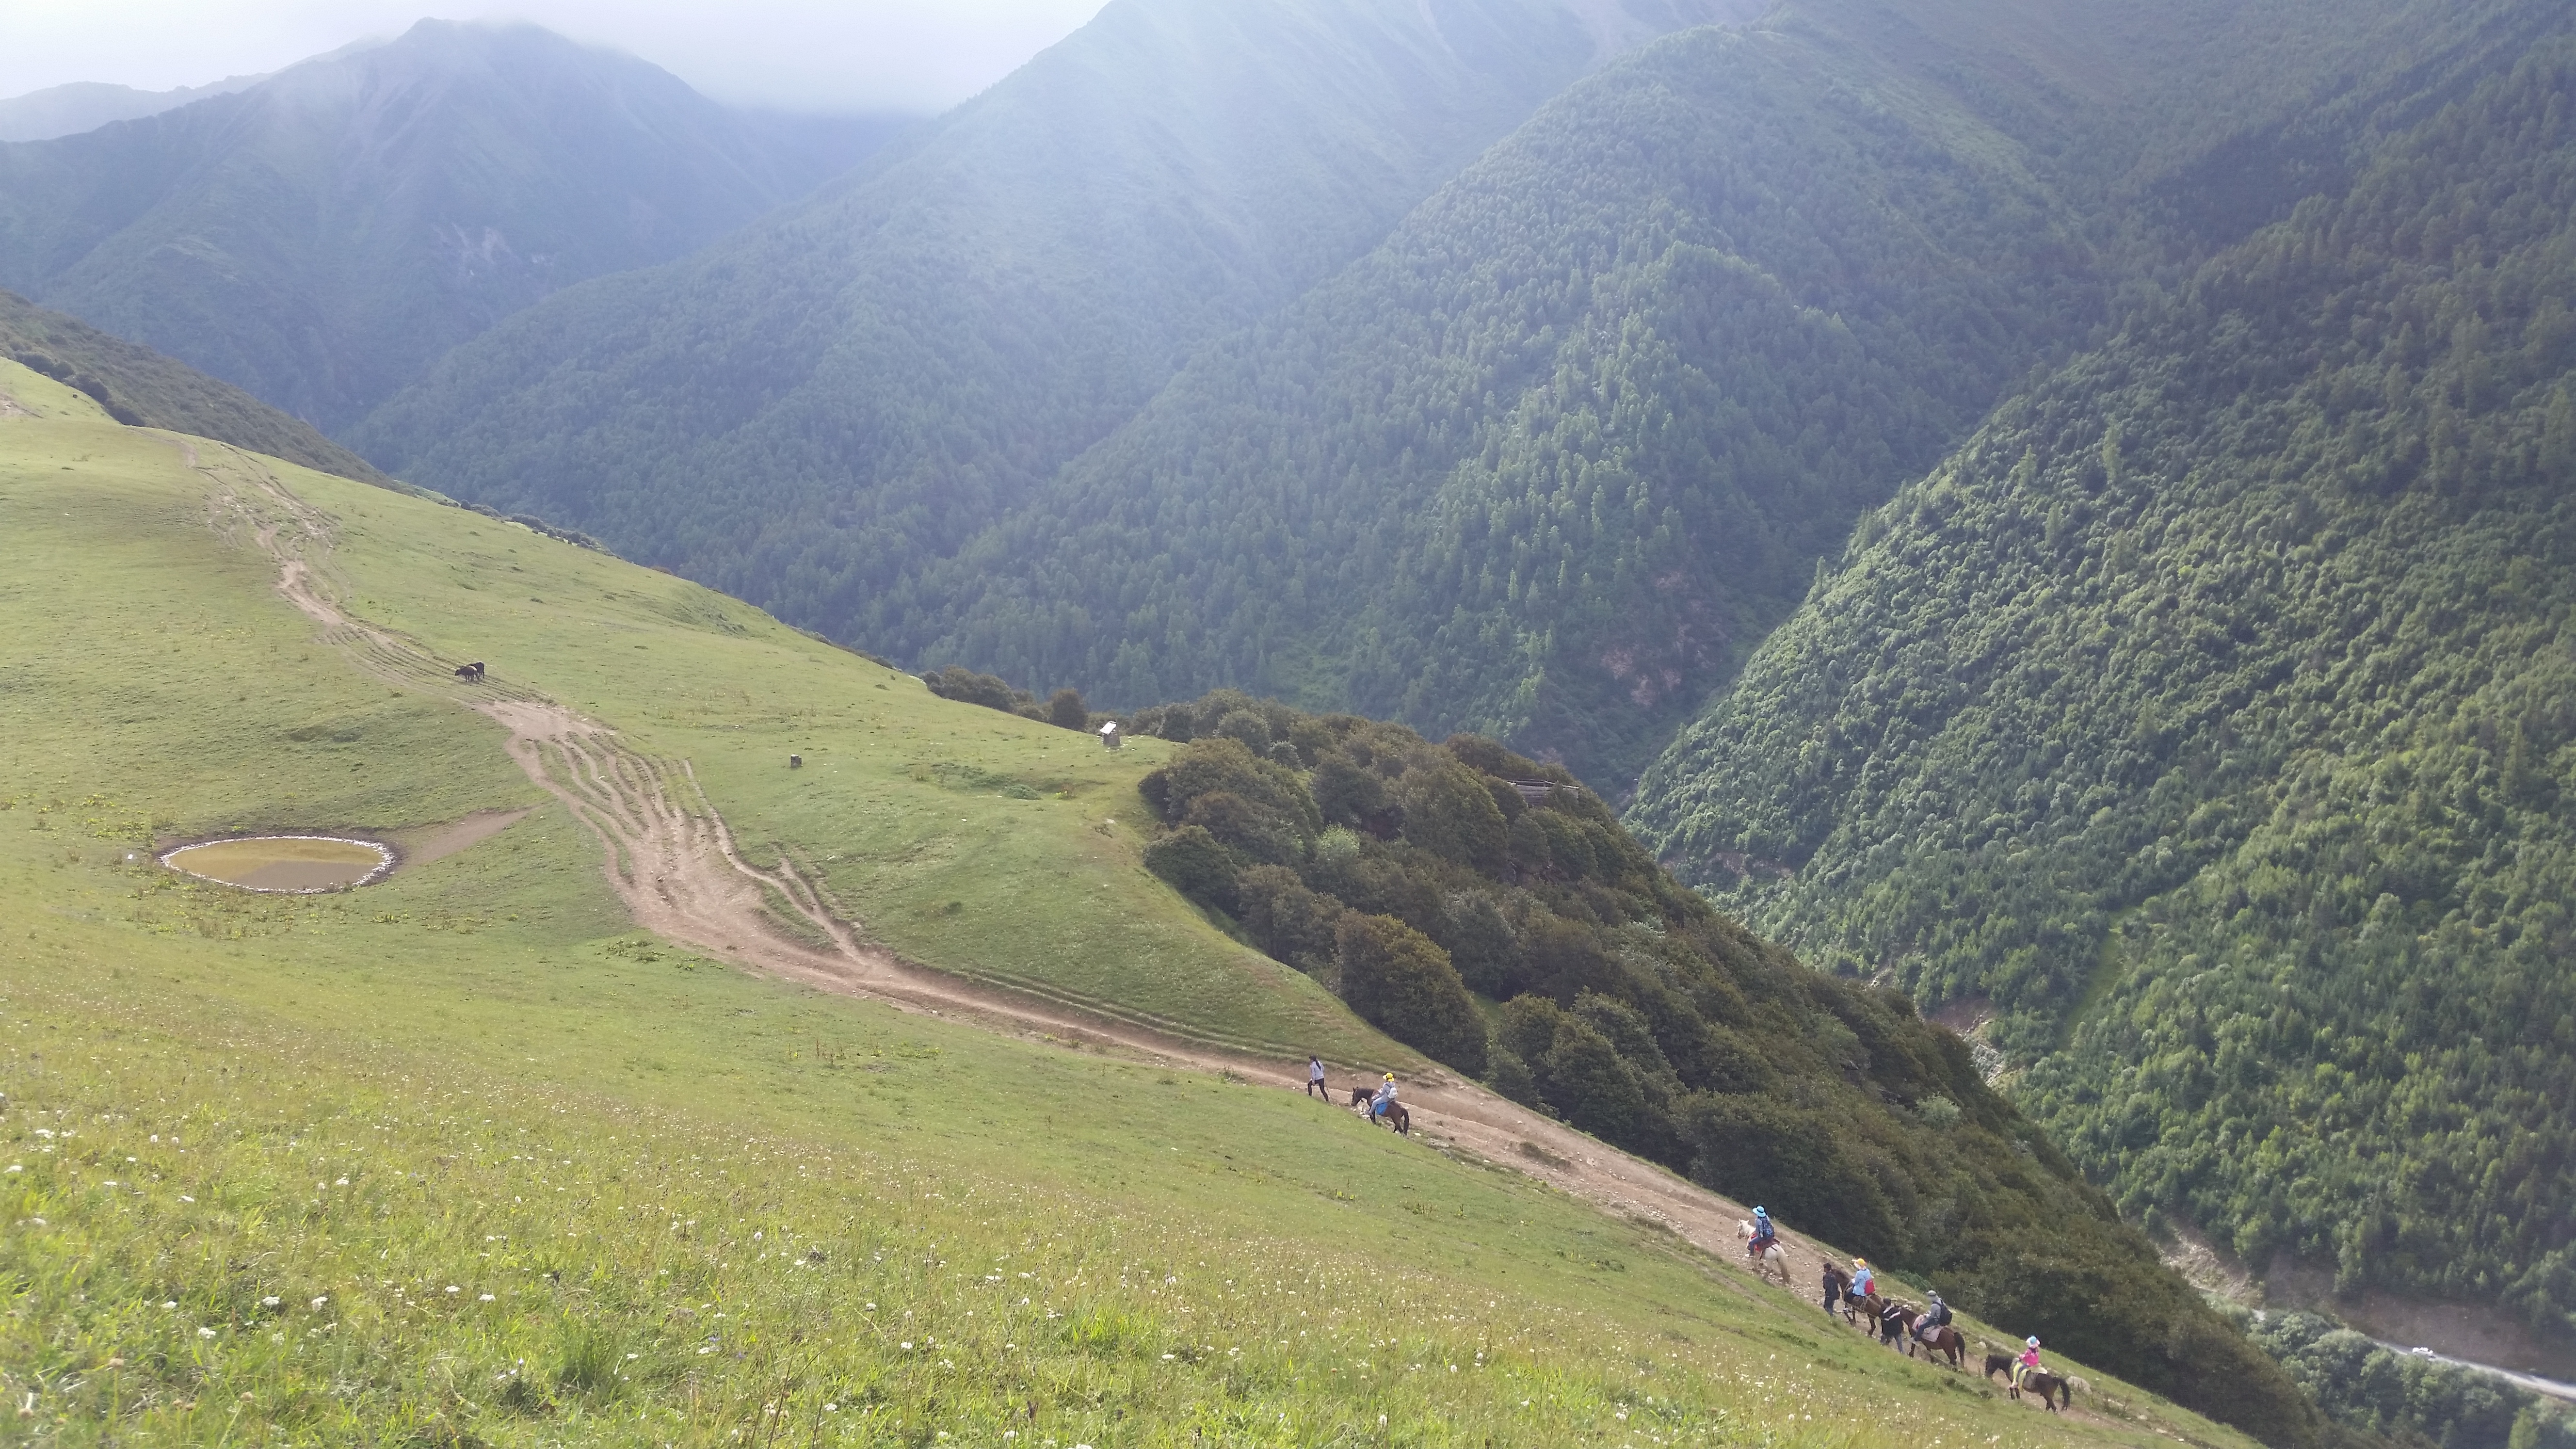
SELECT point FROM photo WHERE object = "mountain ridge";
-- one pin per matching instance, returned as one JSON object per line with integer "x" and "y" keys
{"x": 320, "y": 237}
{"x": 884, "y": 369}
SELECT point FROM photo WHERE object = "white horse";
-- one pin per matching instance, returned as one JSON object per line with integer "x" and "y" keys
{"x": 1773, "y": 1260}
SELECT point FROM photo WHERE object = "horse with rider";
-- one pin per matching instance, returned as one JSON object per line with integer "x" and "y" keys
{"x": 1855, "y": 1295}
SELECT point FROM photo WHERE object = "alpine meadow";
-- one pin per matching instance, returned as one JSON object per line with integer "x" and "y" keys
{"x": 1327, "y": 723}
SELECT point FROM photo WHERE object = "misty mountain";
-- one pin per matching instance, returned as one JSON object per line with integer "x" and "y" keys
{"x": 874, "y": 376}
{"x": 68, "y": 110}
{"x": 319, "y": 238}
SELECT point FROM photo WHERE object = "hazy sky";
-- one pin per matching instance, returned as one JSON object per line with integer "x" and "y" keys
{"x": 914, "y": 55}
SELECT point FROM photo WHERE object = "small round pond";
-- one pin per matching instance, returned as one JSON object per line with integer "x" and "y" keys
{"x": 300, "y": 863}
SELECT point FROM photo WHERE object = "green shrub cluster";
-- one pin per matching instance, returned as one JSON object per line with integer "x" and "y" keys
{"x": 1063, "y": 709}
{"x": 2212, "y": 721}
{"x": 1415, "y": 878}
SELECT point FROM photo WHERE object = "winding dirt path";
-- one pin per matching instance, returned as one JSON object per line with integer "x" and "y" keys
{"x": 674, "y": 864}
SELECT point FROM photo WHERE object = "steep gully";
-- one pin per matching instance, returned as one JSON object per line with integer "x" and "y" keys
{"x": 674, "y": 864}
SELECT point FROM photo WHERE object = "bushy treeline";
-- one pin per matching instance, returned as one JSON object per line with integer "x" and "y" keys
{"x": 2213, "y": 716}
{"x": 141, "y": 388}
{"x": 2409, "y": 1400}
{"x": 1063, "y": 709}
{"x": 1490, "y": 911}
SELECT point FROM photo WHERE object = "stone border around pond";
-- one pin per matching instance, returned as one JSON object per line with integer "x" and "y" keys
{"x": 387, "y": 859}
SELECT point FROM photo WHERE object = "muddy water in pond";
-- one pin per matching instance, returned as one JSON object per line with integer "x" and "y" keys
{"x": 284, "y": 862}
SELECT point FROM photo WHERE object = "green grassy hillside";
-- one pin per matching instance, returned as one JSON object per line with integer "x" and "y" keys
{"x": 461, "y": 1158}
{"x": 319, "y": 238}
{"x": 2206, "y": 723}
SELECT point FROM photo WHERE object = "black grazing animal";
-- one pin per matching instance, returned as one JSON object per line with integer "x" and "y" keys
{"x": 471, "y": 673}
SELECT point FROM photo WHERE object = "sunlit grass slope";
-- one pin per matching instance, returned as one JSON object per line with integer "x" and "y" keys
{"x": 461, "y": 1159}
{"x": 948, "y": 831}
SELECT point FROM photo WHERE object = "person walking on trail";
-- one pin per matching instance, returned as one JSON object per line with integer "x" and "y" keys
{"x": 1384, "y": 1099}
{"x": 1315, "y": 1079}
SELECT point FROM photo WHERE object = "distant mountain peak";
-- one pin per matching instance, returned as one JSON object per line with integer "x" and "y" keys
{"x": 70, "y": 109}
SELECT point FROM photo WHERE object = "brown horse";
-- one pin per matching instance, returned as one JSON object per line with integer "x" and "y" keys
{"x": 1942, "y": 1340}
{"x": 1395, "y": 1115}
{"x": 1999, "y": 1363}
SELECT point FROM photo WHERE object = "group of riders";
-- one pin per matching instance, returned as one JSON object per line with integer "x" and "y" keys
{"x": 1862, "y": 1286}
{"x": 1863, "y": 1280}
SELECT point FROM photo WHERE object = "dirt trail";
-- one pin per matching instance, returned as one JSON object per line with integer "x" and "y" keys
{"x": 674, "y": 864}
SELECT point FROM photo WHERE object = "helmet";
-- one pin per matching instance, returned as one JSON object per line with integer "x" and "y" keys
{"x": 2032, "y": 1341}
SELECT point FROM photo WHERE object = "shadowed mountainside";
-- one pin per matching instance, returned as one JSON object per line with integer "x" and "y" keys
{"x": 141, "y": 388}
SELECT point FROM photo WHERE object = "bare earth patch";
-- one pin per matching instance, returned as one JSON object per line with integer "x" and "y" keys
{"x": 437, "y": 842}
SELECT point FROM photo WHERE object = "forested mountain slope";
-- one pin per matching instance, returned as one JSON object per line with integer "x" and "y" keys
{"x": 1550, "y": 461}
{"x": 2210, "y": 716}
{"x": 1407, "y": 874}
{"x": 141, "y": 388}
{"x": 800, "y": 413}
{"x": 321, "y": 237}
